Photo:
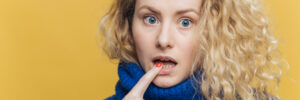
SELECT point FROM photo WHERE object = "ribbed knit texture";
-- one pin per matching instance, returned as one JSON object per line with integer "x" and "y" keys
{"x": 130, "y": 73}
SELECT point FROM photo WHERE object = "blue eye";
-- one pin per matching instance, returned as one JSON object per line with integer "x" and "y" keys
{"x": 150, "y": 19}
{"x": 185, "y": 22}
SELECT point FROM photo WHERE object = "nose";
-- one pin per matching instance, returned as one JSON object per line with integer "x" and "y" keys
{"x": 165, "y": 38}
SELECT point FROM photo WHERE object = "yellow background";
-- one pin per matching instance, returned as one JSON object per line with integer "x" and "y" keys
{"x": 48, "y": 49}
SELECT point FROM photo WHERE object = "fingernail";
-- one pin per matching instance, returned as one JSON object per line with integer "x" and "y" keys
{"x": 158, "y": 64}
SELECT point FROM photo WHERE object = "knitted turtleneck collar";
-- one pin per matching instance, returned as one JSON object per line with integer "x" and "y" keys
{"x": 130, "y": 73}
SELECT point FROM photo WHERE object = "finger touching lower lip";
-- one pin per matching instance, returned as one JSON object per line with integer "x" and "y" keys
{"x": 144, "y": 82}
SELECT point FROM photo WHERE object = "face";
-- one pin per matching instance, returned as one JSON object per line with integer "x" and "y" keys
{"x": 164, "y": 31}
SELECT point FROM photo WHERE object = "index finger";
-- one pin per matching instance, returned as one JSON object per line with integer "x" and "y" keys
{"x": 143, "y": 83}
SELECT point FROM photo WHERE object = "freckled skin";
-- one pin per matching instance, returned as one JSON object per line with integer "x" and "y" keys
{"x": 166, "y": 33}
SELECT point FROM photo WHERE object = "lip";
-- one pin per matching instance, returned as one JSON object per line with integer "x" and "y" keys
{"x": 165, "y": 71}
{"x": 164, "y": 57}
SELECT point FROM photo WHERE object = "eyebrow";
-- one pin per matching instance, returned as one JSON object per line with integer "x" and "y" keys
{"x": 156, "y": 11}
{"x": 186, "y": 11}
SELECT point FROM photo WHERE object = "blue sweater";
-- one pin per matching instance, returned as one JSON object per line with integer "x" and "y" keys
{"x": 130, "y": 73}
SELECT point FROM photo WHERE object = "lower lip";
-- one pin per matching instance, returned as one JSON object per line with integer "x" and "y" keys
{"x": 165, "y": 71}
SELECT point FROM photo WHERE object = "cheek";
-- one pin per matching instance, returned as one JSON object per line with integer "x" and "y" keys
{"x": 144, "y": 37}
{"x": 143, "y": 43}
{"x": 139, "y": 34}
{"x": 141, "y": 39}
{"x": 187, "y": 46}
{"x": 188, "y": 53}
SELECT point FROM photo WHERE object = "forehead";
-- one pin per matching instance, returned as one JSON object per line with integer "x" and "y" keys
{"x": 169, "y": 5}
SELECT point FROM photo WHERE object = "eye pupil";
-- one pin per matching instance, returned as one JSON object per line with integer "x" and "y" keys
{"x": 151, "y": 19}
{"x": 185, "y": 22}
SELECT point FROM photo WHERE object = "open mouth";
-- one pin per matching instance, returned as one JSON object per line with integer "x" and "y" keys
{"x": 167, "y": 62}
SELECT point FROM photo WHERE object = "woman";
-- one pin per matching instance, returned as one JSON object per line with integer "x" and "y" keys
{"x": 191, "y": 49}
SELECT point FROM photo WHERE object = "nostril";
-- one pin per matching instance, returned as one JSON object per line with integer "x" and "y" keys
{"x": 164, "y": 42}
{"x": 164, "y": 45}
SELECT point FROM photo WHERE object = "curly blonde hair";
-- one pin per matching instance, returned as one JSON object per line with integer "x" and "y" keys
{"x": 238, "y": 58}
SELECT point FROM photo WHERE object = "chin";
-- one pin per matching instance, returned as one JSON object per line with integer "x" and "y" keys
{"x": 164, "y": 82}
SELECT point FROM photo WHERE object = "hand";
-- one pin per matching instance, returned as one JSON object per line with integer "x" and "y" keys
{"x": 137, "y": 92}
